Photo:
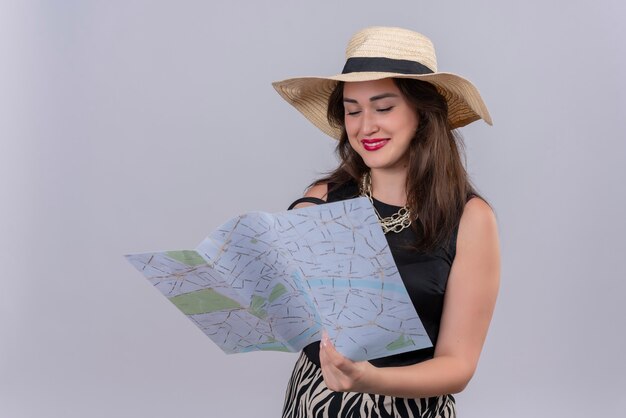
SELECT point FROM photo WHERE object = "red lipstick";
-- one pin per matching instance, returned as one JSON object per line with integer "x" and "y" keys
{"x": 373, "y": 144}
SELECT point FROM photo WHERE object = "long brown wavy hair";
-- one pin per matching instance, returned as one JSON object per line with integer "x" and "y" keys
{"x": 437, "y": 183}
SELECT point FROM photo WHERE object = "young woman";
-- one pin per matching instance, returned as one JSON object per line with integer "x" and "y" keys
{"x": 394, "y": 116}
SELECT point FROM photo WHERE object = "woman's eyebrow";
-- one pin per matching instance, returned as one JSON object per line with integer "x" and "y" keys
{"x": 373, "y": 98}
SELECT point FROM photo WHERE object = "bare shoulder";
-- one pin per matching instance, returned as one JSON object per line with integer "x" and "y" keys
{"x": 318, "y": 191}
{"x": 477, "y": 241}
{"x": 478, "y": 218}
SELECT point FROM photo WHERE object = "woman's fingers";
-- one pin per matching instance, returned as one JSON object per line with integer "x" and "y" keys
{"x": 329, "y": 348}
{"x": 340, "y": 373}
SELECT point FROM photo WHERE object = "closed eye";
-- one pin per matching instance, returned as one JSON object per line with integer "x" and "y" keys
{"x": 353, "y": 113}
{"x": 387, "y": 109}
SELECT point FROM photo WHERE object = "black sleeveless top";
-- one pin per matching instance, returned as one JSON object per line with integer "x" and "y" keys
{"x": 425, "y": 276}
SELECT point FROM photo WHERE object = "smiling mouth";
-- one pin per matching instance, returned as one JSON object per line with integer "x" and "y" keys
{"x": 374, "y": 143}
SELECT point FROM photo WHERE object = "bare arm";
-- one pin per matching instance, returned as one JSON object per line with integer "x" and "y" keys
{"x": 468, "y": 306}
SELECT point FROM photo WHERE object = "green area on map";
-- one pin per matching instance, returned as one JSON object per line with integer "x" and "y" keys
{"x": 203, "y": 301}
{"x": 257, "y": 305}
{"x": 277, "y": 292}
{"x": 188, "y": 257}
{"x": 401, "y": 342}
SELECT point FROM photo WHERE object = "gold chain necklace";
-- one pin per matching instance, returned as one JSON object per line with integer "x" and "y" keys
{"x": 394, "y": 223}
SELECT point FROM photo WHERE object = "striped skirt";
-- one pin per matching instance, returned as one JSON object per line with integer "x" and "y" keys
{"x": 308, "y": 396}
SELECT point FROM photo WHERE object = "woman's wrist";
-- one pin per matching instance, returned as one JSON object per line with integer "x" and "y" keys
{"x": 370, "y": 378}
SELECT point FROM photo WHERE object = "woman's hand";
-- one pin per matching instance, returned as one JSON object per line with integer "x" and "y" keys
{"x": 340, "y": 373}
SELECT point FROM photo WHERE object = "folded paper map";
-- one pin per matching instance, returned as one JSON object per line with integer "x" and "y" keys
{"x": 266, "y": 281}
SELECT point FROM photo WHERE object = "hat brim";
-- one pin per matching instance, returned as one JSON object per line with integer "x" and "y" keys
{"x": 309, "y": 95}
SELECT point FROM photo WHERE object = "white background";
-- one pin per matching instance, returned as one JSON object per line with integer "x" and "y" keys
{"x": 130, "y": 126}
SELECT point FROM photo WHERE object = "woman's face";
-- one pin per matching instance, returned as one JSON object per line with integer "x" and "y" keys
{"x": 380, "y": 123}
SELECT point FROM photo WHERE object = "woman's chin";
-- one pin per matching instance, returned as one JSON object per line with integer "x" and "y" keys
{"x": 383, "y": 164}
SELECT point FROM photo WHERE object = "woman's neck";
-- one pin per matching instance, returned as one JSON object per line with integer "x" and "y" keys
{"x": 389, "y": 186}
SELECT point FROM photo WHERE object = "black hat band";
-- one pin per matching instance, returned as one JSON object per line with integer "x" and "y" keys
{"x": 384, "y": 65}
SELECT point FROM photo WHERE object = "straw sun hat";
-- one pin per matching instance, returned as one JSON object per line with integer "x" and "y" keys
{"x": 380, "y": 52}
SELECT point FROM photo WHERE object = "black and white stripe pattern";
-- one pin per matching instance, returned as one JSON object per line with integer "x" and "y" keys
{"x": 308, "y": 396}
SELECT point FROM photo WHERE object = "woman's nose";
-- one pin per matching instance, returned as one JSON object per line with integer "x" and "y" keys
{"x": 369, "y": 123}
